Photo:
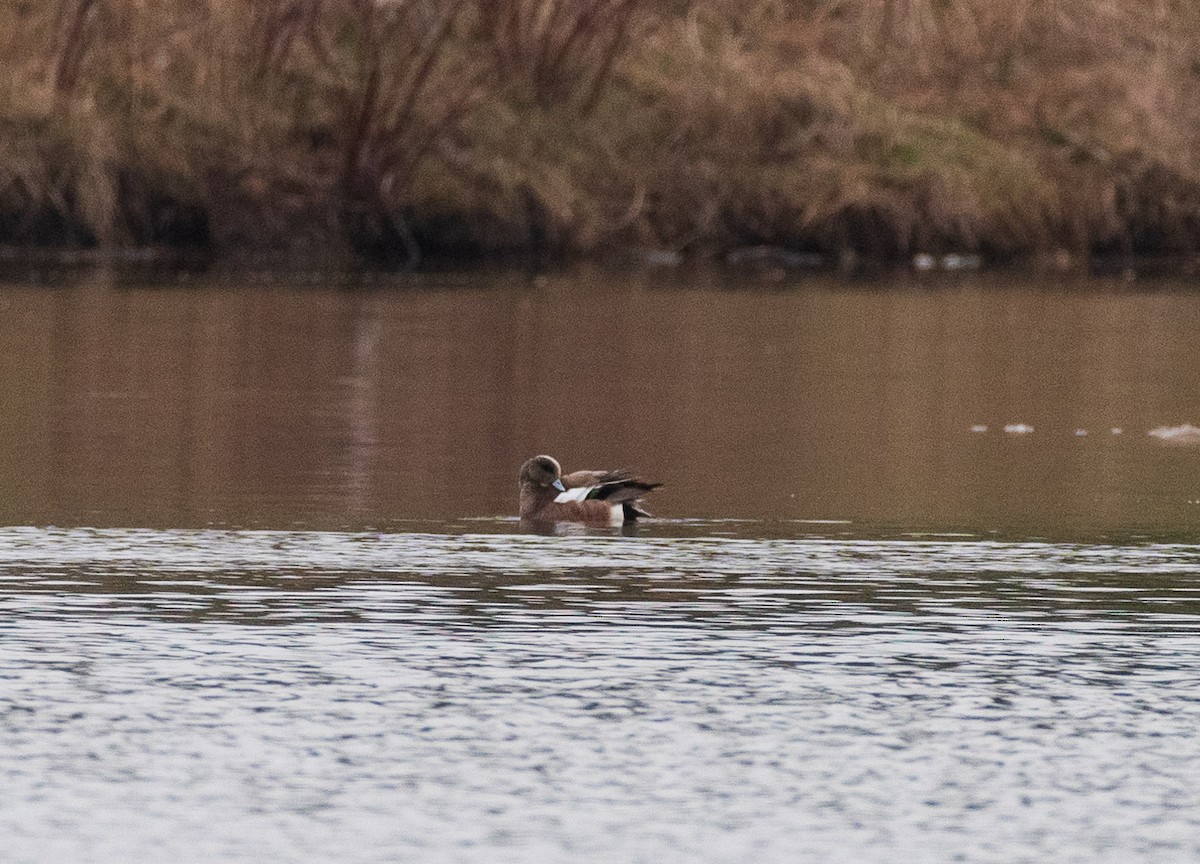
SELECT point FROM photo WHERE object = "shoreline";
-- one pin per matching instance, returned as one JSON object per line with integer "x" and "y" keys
{"x": 760, "y": 264}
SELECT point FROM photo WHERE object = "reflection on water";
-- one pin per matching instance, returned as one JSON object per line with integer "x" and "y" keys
{"x": 251, "y": 696}
{"x": 361, "y": 405}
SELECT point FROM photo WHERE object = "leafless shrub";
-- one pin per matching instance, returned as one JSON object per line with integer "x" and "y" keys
{"x": 560, "y": 50}
{"x": 75, "y": 30}
{"x": 277, "y": 25}
{"x": 398, "y": 95}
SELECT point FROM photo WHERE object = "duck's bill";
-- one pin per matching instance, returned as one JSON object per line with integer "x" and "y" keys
{"x": 558, "y": 484}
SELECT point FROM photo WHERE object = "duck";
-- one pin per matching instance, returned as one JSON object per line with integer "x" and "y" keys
{"x": 593, "y": 497}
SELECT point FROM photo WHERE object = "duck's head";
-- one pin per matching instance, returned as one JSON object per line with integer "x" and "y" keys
{"x": 542, "y": 471}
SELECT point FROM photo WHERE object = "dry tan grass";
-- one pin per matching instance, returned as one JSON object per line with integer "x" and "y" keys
{"x": 878, "y": 126}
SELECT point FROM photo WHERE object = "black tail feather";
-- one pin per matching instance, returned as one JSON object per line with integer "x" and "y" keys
{"x": 634, "y": 510}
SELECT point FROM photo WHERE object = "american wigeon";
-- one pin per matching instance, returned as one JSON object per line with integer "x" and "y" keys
{"x": 595, "y": 497}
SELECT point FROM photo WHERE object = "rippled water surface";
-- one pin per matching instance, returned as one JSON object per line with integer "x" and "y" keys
{"x": 263, "y": 598}
{"x": 250, "y": 696}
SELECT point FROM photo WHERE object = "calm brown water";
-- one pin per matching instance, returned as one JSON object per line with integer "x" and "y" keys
{"x": 370, "y": 404}
{"x": 263, "y": 598}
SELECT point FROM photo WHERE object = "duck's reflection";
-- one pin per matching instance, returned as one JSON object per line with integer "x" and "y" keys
{"x": 579, "y": 529}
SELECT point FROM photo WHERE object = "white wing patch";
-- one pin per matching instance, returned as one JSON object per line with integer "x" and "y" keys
{"x": 578, "y": 494}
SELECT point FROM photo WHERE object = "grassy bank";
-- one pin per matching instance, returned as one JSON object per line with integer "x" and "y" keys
{"x": 880, "y": 128}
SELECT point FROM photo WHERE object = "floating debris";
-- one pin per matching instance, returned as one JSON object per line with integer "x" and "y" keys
{"x": 952, "y": 261}
{"x": 1116, "y": 430}
{"x": 661, "y": 257}
{"x": 1186, "y": 435}
{"x": 774, "y": 256}
{"x": 961, "y": 262}
{"x": 979, "y": 428}
{"x": 1018, "y": 429}
{"x": 1081, "y": 433}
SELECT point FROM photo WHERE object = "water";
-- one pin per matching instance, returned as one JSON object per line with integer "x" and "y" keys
{"x": 264, "y": 598}
{"x": 376, "y": 402}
